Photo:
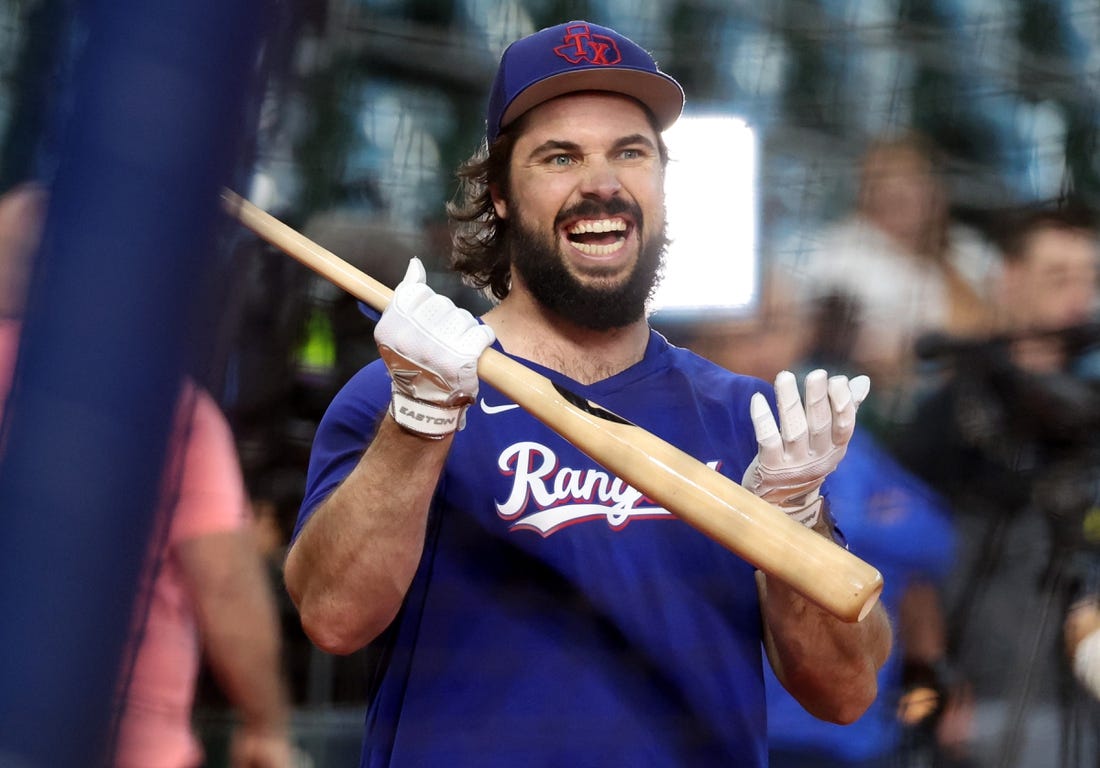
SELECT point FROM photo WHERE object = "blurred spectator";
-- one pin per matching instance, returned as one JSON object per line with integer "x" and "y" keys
{"x": 204, "y": 589}
{"x": 208, "y": 596}
{"x": 902, "y": 265}
{"x": 275, "y": 494}
{"x": 890, "y": 518}
{"x": 775, "y": 335}
{"x": 285, "y": 336}
{"x": 21, "y": 210}
{"x": 1082, "y": 630}
{"x": 1010, "y": 438}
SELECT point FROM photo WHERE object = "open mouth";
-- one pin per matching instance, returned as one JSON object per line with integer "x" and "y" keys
{"x": 598, "y": 237}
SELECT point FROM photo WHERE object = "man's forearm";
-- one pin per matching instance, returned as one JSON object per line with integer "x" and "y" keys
{"x": 828, "y": 665}
{"x": 351, "y": 565}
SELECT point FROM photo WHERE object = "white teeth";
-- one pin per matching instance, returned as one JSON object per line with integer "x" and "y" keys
{"x": 599, "y": 225}
{"x": 599, "y": 250}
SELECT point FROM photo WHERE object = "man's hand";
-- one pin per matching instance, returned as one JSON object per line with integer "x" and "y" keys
{"x": 795, "y": 456}
{"x": 431, "y": 348}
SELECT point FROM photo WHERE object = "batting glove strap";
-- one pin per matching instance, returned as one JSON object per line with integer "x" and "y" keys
{"x": 809, "y": 513}
{"x": 426, "y": 419}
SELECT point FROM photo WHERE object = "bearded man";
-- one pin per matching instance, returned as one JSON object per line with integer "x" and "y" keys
{"x": 530, "y": 607}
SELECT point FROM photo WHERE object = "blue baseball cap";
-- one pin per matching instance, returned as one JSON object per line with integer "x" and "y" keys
{"x": 578, "y": 56}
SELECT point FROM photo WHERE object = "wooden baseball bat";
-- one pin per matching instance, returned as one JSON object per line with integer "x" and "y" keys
{"x": 750, "y": 527}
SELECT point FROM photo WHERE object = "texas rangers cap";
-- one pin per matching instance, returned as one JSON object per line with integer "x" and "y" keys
{"x": 578, "y": 56}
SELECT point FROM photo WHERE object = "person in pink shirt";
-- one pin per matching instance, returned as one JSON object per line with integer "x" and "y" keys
{"x": 205, "y": 593}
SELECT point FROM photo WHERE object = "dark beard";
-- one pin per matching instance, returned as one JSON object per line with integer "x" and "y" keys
{"x": 543, "y": 271}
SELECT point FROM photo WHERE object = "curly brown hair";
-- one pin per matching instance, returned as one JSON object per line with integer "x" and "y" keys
{"x": 477, "y": 251}
{"x": 478, "y": 234}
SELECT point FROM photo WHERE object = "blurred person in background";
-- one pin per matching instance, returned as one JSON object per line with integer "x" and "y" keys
{"x": 207, "y": 598}
{"x": 903, "y": 266}
{"x": 889, "y": 518}
{"x": 205, "y": 593}
{"x": 1011, "y": 439}
{"x": 1082, "y": 630}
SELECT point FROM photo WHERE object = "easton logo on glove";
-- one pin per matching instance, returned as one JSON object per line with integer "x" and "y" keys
{"x": 426, "y": 418}
{"x": 431, "y": 348}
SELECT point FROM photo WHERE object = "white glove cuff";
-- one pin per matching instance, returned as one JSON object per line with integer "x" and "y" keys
{"x": 1086, "y": 662}
{"x": 426, "y": 419}
{"x": 808, "y": 514}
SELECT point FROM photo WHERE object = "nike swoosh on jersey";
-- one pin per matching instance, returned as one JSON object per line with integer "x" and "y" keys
{"x": 491, "y": 409}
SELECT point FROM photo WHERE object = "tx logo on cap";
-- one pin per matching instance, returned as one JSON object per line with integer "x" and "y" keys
{"x": 581, "y": 45}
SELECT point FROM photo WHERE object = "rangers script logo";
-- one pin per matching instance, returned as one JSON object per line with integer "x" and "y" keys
{"x": 581, "y": 45}
{"x": 547, "y": 497}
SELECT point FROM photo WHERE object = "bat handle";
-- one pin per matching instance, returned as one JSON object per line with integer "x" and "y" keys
{"x": 322, "y": 261}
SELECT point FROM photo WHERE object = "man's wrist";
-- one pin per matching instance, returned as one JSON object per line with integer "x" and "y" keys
{"x": 805, "y": 510}
{"x": 827, "y": 527}
{"x": 425, "y": 419}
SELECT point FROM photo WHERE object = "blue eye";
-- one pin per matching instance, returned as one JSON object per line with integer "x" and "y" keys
{"x": 561, "y": 160}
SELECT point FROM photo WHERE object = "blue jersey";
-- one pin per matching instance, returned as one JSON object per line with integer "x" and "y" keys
{"x": 558, "y": 616}
{"x": 898, "y": 524}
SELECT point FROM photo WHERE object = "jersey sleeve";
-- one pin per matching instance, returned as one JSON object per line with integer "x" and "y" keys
{"x": 343, "y": 434}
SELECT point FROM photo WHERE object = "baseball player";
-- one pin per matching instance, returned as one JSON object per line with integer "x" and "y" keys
{"x": 531, "y": 608}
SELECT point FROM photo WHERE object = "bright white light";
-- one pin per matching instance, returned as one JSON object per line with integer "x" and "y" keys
{"x": 710, "y": 191}
{"x": 263, "y": 190}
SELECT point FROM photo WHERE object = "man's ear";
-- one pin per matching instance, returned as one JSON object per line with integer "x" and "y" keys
{"x": 500, "y": 204}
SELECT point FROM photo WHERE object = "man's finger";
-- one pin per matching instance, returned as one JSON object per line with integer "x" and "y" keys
{"x": 792, "y": 418}
{"x": 415, "y": 272}
{"x": 819, "y": 414}
{"x": 860, "y": 386}
{"x": 844, "y": 409}
{"x": 767, "y": 433}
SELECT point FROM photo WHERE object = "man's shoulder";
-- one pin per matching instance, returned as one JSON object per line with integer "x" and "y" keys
{"x": 689, "y": 377}
{"x": 688, "y": 361}
{"x": 365, "y": 383}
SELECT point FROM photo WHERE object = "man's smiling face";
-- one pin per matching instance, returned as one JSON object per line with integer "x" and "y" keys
{"x": 586, "y": 207}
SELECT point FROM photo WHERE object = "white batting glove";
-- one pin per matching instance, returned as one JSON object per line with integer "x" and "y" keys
{"x": 431, "y": 348}
{"x": 794, "y": 458}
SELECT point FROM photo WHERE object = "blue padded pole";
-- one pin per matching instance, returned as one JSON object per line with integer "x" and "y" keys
{"x": 149, "y": 129}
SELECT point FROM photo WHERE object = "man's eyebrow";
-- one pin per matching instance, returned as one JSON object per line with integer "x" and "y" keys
{"x": 555, "y": 144}
{"x": 571, "y": 146}
{"x": 637, "y": 138}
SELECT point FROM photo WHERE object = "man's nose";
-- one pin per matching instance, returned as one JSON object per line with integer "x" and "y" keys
{"x": 600, "y": 179}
